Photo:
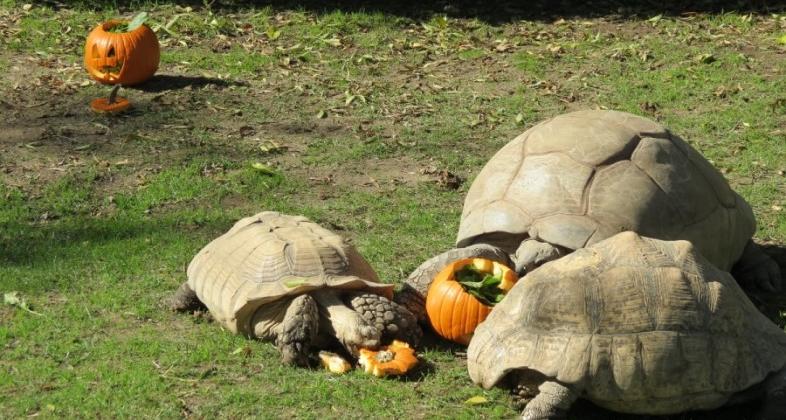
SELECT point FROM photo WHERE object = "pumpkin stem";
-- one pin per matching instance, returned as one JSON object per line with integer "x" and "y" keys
{"x": 113, "y": 95}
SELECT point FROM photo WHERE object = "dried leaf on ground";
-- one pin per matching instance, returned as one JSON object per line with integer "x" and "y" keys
{"x": 14, "y": 299}
{"x": 476, "y": 400}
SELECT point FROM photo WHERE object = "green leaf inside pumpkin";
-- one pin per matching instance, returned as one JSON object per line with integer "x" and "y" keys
{"x": 483, "y": 286}
{"x": 137, "y": 21}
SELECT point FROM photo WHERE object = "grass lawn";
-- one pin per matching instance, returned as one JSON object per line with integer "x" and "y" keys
{"x": 360, "y": 111}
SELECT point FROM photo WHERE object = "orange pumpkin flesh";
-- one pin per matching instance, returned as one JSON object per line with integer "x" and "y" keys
{"x": 102, "y": 105}
{"x": 127, "y": 58}
{"x": 454, "y": 313}
{"x": 395, "y": 359}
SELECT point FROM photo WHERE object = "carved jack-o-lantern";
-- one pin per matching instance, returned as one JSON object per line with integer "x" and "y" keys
{"x": 127, "y": 58}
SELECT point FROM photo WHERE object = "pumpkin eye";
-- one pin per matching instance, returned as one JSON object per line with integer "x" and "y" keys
{"x": 96, "y": 54}
{"x": 111, "y": 52}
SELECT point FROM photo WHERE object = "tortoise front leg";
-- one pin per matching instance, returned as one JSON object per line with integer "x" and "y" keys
{"x": 351, "y": 330}
{"x": 757, "y": 269}
{"x": 185, "y": 299}
{"x": 390, "y": 318}
{"x": 533, "y": 253}
{"x": 774, "y": 407}
{"x": 298, "y": 330}
{"x": 552, "y": 402}
{"x": 413, "y": 295}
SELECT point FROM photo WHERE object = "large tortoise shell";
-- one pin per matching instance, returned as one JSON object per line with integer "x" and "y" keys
{"x": 582, "y": 177}
{"x": 269, "y": 256}
{"x": 640, "y": 325}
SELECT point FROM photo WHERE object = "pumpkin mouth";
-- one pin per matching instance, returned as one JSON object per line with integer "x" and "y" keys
{"x": 113, "y": 70}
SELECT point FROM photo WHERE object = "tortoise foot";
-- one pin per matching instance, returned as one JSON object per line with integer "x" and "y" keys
{"x": 391, "y": 319}
{"x": 298, "y": 331}
{"x": 552, "y": 402}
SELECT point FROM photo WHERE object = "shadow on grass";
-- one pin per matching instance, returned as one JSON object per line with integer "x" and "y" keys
{"x": 26, "y": 244}
{"x": 166, "y": 82}
{"x": 488, "y": 11}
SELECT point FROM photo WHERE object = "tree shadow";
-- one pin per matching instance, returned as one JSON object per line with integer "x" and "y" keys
{"x": 166, "y": 82}
{"x": 487, "y": 11}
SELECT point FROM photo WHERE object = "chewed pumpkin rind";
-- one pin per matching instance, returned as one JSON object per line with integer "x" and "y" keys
{"x": 396, "y": 359}
{"x": 102, "y": 105}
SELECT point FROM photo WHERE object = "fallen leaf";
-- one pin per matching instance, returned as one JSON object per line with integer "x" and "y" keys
{"x": 519, "y": 118}
{"x": 245, "y": 350}
{"x": 13, "y": 299}
{"x": 264, "y": 169}
{"x": 272, "y": 34}
{"x": 322, "y": 114}
{"x": 476, "y": 400}
{"x": 782, "y": 39}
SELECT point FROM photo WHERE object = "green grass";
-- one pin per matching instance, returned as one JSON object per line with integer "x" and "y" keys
{"x": 352, "y": 110}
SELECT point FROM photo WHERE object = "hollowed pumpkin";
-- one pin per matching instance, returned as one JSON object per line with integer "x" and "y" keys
{"x": 127, "y": 58}
{"x": 452, "y": 311}
{"x": 395, "y": 359}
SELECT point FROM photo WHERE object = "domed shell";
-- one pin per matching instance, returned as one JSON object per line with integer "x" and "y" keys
{"x": 269, "y": 256}
{"x": 640, "y": 325}
{"x": 582, "y": 177}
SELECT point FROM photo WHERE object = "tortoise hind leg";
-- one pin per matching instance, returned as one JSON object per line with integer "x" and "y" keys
{"x": 298, "y": 330}
{"x": 757, "y": 269}
{"x": 391, "y": 319}
{"x": 552, "y": 402}
{"x": 774, "y": 407}
{"x": 185, "y": 300}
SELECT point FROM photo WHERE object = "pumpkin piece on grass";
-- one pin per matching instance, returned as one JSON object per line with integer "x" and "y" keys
{"x": 112, "y": 104}
{"x": 396, "y": 359}
{"x": 463, "y": 294}
{"x": 127, "y": 57}
{"x": 333, "y": 362}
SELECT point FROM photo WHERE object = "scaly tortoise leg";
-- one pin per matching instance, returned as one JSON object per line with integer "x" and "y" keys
{"x": 392, "y": 319}
{"x": 552, "y": 402}
{"x": 413, "y": 294}
{"x": 757, "y": 269}
{"x": 298, "y": 330}
{"x": 345, "y": 324}
{"x": 185, "y": 300}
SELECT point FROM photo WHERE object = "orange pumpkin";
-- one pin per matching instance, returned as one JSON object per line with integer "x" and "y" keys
{"x": 451, "y": 310}
{"x": 127, "y": 58}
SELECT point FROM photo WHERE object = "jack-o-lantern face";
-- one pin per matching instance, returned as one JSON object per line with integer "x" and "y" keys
{"x": 127, "y": 58}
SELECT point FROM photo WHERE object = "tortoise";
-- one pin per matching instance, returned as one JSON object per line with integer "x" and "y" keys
{"x": 576, "y": 179}
{"x": 635, "y": 325}
{"x": 286, "y": 279}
